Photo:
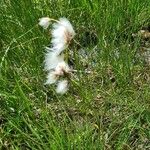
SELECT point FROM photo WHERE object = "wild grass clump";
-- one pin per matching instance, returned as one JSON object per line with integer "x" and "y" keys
{"x": 107, "y": 103}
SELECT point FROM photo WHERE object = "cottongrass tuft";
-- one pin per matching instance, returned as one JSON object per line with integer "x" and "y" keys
{"x": 52, "y": 60}
{"x": 62, "y": 87}
{"x": 52, "y": 77}
{"x": 62, "y": 68}
{"x": 44, "y": 22}
{"x": 62, "y": 33}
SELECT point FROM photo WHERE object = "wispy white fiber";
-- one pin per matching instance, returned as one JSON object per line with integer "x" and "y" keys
{"x": 62, "y": 34}
{"x": 44, "y": 22}
{"x": 52, "y": 77}
{"x": 62, "y": 87}
{"x": 52, "y": 60}
{"x": 59, "y": 70}
{"x": 62, "y": 68}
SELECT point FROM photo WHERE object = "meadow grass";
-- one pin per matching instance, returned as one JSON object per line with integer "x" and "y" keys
{"x": 107, "y": 109}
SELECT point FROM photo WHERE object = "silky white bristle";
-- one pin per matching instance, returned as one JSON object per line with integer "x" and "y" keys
{"x": 62, "y": 87}
{"x": 51, "y": 77}
{"x": 62, "y": 34}
{"x": 52, "y": 60}
{"x": 44, "y": 22}
{"x": 62, "y": 68}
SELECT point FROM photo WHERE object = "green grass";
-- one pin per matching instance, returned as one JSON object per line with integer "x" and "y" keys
{"x": 107, "y": 109}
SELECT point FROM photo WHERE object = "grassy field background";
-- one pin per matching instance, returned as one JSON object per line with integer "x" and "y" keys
{"x": 107, "y": 109}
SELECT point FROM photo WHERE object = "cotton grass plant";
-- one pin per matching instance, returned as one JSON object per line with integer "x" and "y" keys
{"x": 62, "y": 33}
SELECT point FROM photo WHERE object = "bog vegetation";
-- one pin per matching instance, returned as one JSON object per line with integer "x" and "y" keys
{"x": 107, "y": 105}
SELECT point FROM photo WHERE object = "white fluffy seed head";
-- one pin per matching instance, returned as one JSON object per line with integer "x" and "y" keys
{"x": 69, "y": 28}
{"x": 44, "y": 22}
{"x": 62, "y": 68}
{"x": 51, "y": 77}
{"x": 52, "y": 60}
{"x": 62, "y": 87}
{"x": 59, "y": 47}
{"x": 62, "y": 34}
